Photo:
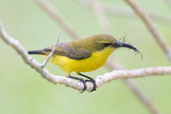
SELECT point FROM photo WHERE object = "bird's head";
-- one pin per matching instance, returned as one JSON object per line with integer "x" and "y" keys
{"x": 106, "y": 40}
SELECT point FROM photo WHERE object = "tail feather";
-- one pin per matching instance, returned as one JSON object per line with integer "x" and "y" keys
{"x": 36, "y": 52}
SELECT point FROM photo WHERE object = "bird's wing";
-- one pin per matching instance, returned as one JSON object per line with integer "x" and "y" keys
{"x": 74, "y": 53}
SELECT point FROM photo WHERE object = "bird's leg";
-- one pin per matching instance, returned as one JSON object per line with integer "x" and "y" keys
{"x": 81, "y": 80}
{"x": 90, "y": 80}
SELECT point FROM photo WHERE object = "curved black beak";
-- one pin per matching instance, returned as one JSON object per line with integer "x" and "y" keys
{"x": 118, "y": 44}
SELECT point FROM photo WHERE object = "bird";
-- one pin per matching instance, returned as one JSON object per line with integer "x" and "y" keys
{"x": 83, "y": 55}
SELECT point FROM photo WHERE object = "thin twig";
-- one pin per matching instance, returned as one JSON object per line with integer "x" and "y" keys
{"x": 52, "y": 51}
{"x": 151, "y": 27}
{"x": 100, "y": 80}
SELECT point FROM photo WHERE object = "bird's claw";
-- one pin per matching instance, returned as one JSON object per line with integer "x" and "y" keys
{"x": 85, "y": 86}
{"x": 94, "y": 84}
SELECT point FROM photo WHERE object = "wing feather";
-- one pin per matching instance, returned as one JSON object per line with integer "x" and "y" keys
{"x": 65, "y": 49}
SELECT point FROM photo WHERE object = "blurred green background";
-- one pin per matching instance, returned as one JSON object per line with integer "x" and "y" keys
{"x": 22, "y": 90}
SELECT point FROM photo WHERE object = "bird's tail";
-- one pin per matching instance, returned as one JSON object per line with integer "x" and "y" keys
{"x": 41, "y": 52}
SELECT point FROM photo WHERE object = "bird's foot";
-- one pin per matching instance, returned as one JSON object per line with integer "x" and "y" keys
{"x": 81, "y": 80}
{"x": 90, "y": 80}
{"x": 94, "y": 84}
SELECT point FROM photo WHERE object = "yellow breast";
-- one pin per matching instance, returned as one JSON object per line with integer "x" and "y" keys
{"x": 97, "y": 60}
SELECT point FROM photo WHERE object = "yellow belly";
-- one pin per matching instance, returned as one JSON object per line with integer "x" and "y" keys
{"x": 97, "y": 60}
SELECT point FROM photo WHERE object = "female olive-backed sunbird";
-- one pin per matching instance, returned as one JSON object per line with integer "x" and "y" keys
{"x": 83, "y": 55}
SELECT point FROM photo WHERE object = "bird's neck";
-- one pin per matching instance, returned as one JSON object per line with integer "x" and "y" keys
{"x": 105, "y": 53}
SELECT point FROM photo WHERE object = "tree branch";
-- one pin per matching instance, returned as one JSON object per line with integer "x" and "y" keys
{"x": 151, "y": 27}
{"x": 100, "y": 80}
{"x": 52, "y": 51}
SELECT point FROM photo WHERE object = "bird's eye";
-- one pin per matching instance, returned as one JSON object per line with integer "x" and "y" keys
{"x": 107, "y": 44}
